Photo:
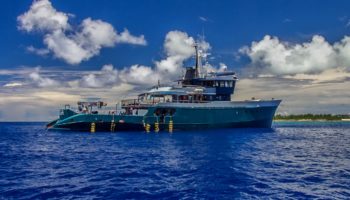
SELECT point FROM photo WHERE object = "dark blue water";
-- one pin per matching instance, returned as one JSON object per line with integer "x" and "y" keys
{"x": 293, "y": 160}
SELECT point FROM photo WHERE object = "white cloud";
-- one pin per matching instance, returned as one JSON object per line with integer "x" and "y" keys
{"x": 343, "y": 52}
{"x": 40, "y": 81}
{"x": 13, "y": 84}
{"x": 311, "y": 77}
{"x": 42, "y": 17}
{"x": 178, "y": 47}
{"x": 178, "y": 43}
{"x": 40, "y": 52}
{"x": 140, "y": 75}
{"x": 95, "y": 34}
{"x": 171, "y": 64}
{"x": 108, "y": 76}
{"x": 301, "y": 91}
{"x": 126, "y": 37}
{"x": 72, "y": 44}
{"x": 67, "y": 48}
{"x": 283, "y": 58}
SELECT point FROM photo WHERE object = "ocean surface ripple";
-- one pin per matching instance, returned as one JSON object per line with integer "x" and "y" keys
{"x": 290, "y": 161}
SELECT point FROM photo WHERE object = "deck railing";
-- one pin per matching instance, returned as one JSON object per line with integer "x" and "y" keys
{"x": 137, "y": 102}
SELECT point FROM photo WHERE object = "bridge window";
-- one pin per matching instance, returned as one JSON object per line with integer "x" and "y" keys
{"x": 209, "y": 83}
{"x": 230, "y": 83}
{"x": 221, "y": 84}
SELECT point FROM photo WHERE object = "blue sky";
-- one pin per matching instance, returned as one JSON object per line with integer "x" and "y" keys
{"x": 298, "y": 51}
{"x": 230, "y": 25}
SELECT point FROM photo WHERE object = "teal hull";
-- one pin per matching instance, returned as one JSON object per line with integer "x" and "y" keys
{"x": 229, "y": 115}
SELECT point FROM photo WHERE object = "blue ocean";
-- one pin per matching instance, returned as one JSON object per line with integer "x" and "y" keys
{"x": 301, "y": 160}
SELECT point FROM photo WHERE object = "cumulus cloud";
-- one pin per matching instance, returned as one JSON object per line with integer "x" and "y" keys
{"x": 270, "y": 55}
{"x": 72, "y": 44}
{"x": 126, "y": 37}
{"x": 108, "y": 76}
{"x": 343, "y": 52}
{"x": 311, "y": 77}
{"x": 178, "y": 43}
{"x": 40, "y": 81}
{"x": 178, "y": 47}
{"x": 140, "y": 75}
{"x": 42, "y": 16}
{"x": 83, "y": 44}
{"x": 323, "y": 89}
{"x": 96, "y": 33}
{"x": 66, "y": 48}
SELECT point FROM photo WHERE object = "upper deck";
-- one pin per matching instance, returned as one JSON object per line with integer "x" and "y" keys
{"x": 221, "y": 84}
{"x": 194, "y": 87}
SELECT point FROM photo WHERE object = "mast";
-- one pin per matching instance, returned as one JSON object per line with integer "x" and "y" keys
{"x": 198, "y": 61}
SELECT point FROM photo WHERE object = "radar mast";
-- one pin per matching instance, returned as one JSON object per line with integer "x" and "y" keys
{"x": 198, "y": 62}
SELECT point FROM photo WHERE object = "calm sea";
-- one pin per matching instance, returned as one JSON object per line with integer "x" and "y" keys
{"x": 292, "y": 160}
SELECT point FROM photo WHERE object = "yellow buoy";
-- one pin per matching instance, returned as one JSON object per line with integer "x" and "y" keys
{"x": 171, "y": 126}
{"x": 148, "y": 128}
{"x": 113, "y": 127}
{"x": 93, "y": 127}
{"x": 156, "y": 127}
